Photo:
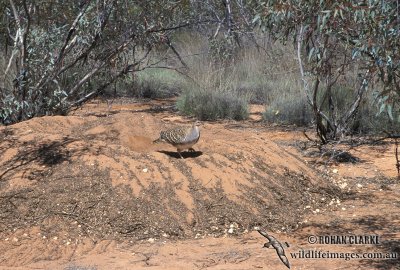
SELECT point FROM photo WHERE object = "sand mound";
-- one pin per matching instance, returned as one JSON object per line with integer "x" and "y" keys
{"x": 98, "y": 176}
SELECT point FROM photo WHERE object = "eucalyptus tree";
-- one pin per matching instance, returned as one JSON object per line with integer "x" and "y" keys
{"x": 61, "y": 53}
{"x": 332, "y": 39}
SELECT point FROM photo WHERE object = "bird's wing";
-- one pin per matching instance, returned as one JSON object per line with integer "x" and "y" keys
{"x": 285, "y": 261}
{"x": 172, "y": 136}
{"x": 264, "y": 234}
{"x": 278, "y": 247}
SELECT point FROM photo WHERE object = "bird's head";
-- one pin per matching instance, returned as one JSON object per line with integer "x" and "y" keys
{"x": 267, "y": 245}
{"x": 197, "y": 123}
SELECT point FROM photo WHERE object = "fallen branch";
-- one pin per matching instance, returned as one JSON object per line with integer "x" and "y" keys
{"x": 397, "y": 157}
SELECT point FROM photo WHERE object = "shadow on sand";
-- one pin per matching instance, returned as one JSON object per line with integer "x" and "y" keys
{"x": 185, "y": 155}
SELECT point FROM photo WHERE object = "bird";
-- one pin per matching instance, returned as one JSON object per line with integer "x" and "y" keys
{"x": 181, "y": 137}
{"x": 277, "y": 246}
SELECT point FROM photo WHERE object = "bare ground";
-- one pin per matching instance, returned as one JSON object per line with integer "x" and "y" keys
{"x": 90, "y": 191}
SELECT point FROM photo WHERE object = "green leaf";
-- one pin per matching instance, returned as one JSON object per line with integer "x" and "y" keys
{"x": 389, "y": 110}
{"x": 256, "y": 18}
{"x": 382, "y": 108}
{"x": 310, "y": 54}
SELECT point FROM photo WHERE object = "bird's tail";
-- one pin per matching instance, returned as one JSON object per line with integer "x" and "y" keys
{"x": 158, "y": 140}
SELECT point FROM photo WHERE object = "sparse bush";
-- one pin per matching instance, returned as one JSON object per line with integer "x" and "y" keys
{"x": 223, "y": 50}
{"x": 370, "y": 121}
{"x": 289, "y": 106}
{"x": 249, "y": 77}
{"x": 158, "y": 83}
{"x": 213, "y": 105}
{"x": 150, "y": 83}
{"x": 289, "y": 109}
{"x": 267, "y": 76}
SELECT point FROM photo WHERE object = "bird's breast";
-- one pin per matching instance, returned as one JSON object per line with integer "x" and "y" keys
{"x": 192, "y": 136}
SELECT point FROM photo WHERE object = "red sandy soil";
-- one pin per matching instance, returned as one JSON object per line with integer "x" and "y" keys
{"x": 91, "y": 191}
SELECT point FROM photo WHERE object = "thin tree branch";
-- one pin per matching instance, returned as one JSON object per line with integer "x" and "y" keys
{"x": 176, "y": 52}
{"x": 303, "y": 77}
{"x": 124, "y": 71}
{"x": 83, "y": 55}
{"x": 350, "y": 113}
{"x": 72, "y": 30}
{"x": 25, "y": 35}
{"x": 163, "y": 29}
{"x": 228, "y": 15}
{"x": 17, "y": 35}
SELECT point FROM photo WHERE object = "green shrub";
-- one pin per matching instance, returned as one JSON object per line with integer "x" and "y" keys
{"x": 159, "y": 83}
{"x": 150, "y": 83}
{"x": 289, "y": 106}
{"x": 213, "y": 105}
{"x": 289, "y": 109}
{"x": 370, "y": 121}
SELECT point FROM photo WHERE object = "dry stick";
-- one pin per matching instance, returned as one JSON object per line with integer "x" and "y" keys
{"x": 308, "y": 138}
{"x": 336, "y": 152}
{"x": 397, "y": 158}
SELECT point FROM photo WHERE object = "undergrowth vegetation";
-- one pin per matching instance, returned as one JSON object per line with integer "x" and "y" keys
{"x": 211, "y": 88}
{"x": 213, "y": 104}
{"x": 340, "y": 73}
{"x": 151, "y": 83}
